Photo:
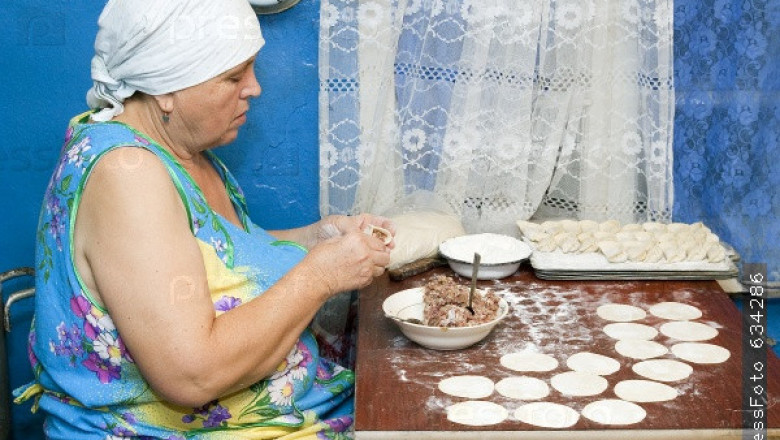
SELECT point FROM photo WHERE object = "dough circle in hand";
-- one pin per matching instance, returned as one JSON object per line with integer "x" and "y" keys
{"x": 638, "y": 349}
{"x": 675, "y": 311}
{"x": 614, "y": 412}
{"x": 523, "y": 388}
{"x": 547, "y": 415}
{"x": 586, "y": 362}
{"x": 476, "y": 413}
{"x": 644, "y": 391}
{"x": 529, "y": 361}
{"x": 470, "y": 387}
{"x": 700, "y": 353}
{"x": 630, "y": 330}
{"x": 665, "y": 370}
{"x": 574, "y": 383}
{"x": 620, "y": 312}
{"x": 688, "y": 331}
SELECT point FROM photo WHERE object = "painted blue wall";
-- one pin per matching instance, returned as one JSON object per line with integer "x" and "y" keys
{"x": 45, "y": 52}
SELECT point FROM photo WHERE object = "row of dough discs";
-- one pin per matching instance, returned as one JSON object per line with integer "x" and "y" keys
{"x": 588, "y": 372}
{"x": 650, "y": 242}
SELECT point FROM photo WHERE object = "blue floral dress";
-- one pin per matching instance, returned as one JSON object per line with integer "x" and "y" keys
{"x": 86, "y": 380}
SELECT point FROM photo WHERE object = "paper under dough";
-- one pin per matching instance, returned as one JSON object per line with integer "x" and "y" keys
{"x": 586, "y": 362}
{"x": 664, "y": 370}
{"x": 700, "y": 353}
{"x": 630, "y": 330}
{"x": 575, "y": 383}
{"x": 476, "y": 413}
{"x": 637, "y": 349}
{"x": 620, "y": 312}
{"x": 644, "y": 391}
{"x": 529, "y": 361}
{"x": 470, "y": 387}
{"x": 675, "y": 311}
{"x": 523, "y": 388}
{"x": 614, "y": 412}
{"x": 547, "y": 415}
{"x": 688, "y": 331}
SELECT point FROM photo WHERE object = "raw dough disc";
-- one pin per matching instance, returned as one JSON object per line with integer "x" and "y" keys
{"x": 665, "y": 370}
{"x": 688, "y": 331}
{"x": 644, "y": 391}
{"x": 575, "y": 383}
{"x": 640, "y": 349}
{"x": 699, "y": 353}
{"x": 675, "y": 311}
{"x": 586, "y": 362}
{"x": 470, "y": 387}
{"x": 630, "y": 330}
{"x": 620, "y": 312}
{"x": 476, "y": 413}
{"x": 529, "y": 361}
{"x": 523, "y": 388}
{"x": 547, "y": 415}
{"x": 614, "y": 412}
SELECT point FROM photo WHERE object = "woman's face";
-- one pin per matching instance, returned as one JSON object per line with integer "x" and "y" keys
{"x": 209, "y": 114}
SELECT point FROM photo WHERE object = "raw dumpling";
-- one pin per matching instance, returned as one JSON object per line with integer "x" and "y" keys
{"x": 613, "y": 250}
{"x": 587, "y": 245}
{"x": 588, "y": 226}
{"x": 551, "y": 226}
{"x": 636, "y": 250}
{"x": 609, "y": 226}
{"x": 629, "y": 227}
{"x": 716, "y": 253}
{"x": 625, "y": 235}
{"x": 547, "y": 244}
{"x": 677, "y": 227}
{"x": 531, "y": 231}
{"x": 654, "y": 254}
{"x": 604, "y": 236}
{"x": 697, "y": 253}
{"x": 654, "y": 227}
{"x": 644, "y": 236}
{"x": 572, "y": 226}
{"x": 567, "y": 242}
{"x": 672, "y": 252}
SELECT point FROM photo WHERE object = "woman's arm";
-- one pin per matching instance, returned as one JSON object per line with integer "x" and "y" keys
{"x": 135, "y": 252}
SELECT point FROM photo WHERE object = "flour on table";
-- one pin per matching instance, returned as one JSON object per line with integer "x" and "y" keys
{"x": 575, "y": 383}
{"x": 700, "y": 353}
{"x": 665, "y": 370}
{"x": 476, "y": 413}
{"x": 529, "y": 361}
{"x": 620, "y": 312}
{"x": 638, "y": 349}
{"x": 523, "y": 388}
{"x": 644, "y": 391}
{"x": 470, "y": 387}
{"x": 614, "y": 412}
{"x": 547, "y": 415}
{"x": 688, "y": 331}
{"x": 586, "y": 362}
{"x": 630, "y": 330}
{"x": 675, "y": 311}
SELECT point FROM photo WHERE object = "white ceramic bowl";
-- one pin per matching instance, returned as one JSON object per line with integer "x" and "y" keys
{"x": 501, "y": 255}
{"x": 408, "y": 304}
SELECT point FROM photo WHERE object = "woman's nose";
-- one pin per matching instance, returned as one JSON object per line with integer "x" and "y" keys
{"x": 253, "y": 89}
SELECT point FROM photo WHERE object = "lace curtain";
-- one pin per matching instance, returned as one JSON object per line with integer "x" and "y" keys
{"x": 505, "y": 109}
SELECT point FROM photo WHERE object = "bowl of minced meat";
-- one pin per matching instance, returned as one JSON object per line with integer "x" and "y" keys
{"x": 435, "y": 315}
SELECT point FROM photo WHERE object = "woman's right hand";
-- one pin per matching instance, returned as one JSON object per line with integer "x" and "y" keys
{"x": 348, "y": 261}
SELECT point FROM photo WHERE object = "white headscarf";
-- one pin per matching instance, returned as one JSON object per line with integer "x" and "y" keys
{"x": 159, "y": 47}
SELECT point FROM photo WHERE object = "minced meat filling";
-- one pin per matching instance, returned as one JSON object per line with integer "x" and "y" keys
{"x": 445, "y": 304}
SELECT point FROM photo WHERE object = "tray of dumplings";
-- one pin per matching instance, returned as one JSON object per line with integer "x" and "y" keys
{"x": 586, "y": 249}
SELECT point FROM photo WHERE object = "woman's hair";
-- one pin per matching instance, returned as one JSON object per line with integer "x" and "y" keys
{"x": 159, "y": 47}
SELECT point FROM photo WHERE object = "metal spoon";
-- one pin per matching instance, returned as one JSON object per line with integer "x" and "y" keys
{"x": 474, "y": 271}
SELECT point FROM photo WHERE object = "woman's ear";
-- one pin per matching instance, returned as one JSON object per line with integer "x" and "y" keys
{"x": 165, "y": 102}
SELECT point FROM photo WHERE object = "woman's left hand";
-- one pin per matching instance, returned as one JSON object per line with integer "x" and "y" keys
{"x": 340, "y": 225}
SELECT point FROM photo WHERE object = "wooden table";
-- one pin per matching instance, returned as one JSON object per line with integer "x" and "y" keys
{"x": 397, "y": 394}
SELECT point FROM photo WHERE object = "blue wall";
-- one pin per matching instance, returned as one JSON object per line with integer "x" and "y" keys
{"x": 45, "y": 52}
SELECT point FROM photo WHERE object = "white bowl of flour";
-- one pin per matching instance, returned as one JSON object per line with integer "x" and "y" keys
{"x": 501, "y": 255}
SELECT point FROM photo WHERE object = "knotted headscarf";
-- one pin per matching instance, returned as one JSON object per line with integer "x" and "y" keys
{"x": 159, "y": 47}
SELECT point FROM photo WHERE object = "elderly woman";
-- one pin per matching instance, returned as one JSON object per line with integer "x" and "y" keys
{"x": 162, "y": 311}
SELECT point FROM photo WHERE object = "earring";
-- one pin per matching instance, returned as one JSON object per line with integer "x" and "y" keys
{"x": 165, "y": 118}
